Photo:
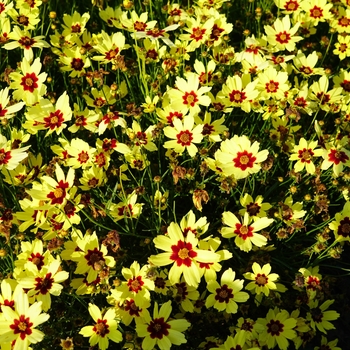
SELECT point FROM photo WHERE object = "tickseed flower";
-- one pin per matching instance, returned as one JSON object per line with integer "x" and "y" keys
{"x": 128, "y": 208}
{"x": 212, "y": 129}
{"x": 197, "y": 32}
{"x": 187, "y": 95}
{"x": 281, "y": 35}
{"x": 225, "y": 295}
{"x": 238, "y": 157}
{"x": 29, "y": 86}
{"x": 18, "y": 324}
{"x": 184, "y": 295}
{"x": 74, "y": 62}
{"x": 7, "y": 111}
{"x": 306, "y": 64}
{"x": 159, "y": 331}
{"x": 24, "y": 40}
{"x": 255, "y": 208}
{"x": 10, "y": 158}
{"x": 103, "y": 330}
{"x": 316, "y": 11}
{"x": 312, "y": 280}
{"x": 245, "y": 233}
{"x": 137, "y": 286}
{"x": 7, "y": 287}
{"x": 341, "y": 225}
{"x": 155, "y": 34}
{"x": 74, "y": 25}
{"x": 304, "y": 154}
{"x": 337, "y": 157}
{"x": 80, "y": 154}
{"x": 342, "y": 47}
{"x": 319, "y": 316}
{"x": 276, "y": 327}
{"x": 185, "y": 135}
{"x": 263, "y": 279}
{"x": 290, "y": 212}
{"x": 328, "y": 345}
{"x": 91, "y": 258}
{"x": 189, "y": 224}
{"x": 181, "y": 251}
{"x": 41, "y": 284}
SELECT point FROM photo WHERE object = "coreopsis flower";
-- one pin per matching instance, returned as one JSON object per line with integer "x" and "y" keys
{"x": 28, "y": 4}
{"x": 55, "y": 192}
{"x": 189, "y": 224}
{"x": 239, "y": 92}
{"x": 100, "y": 97}
{"x": 155, "y": 34}
{"x": 111, "y": 16}
{"x": 263, "y": 279}
{"x": 224, "y": 296}
{"x": 304, "y": 154}
{"x": 103, "y": 330}
{"x": 205, "y": 73}
{"x": 289, "y": 6}
{"x": 184, "y": 295}
{"x": 187, "y": 95}
{"x": 248, "y": 326}
{"x": 238, "y": 157}
{"x": 184, "y": 135}
{"x": 80, "y": 154}
{"x": 25, "y": 17}
{"x": 142, "y": 139}
{"x": 5, "y": 5}
{"x": 236, "y": 342}
{"x": 46, "y": 116}
{"x": 10, "y": 158}
{"x": 219, "y": 29}
{"x": 41, "y": 284}
{"x": 245, "y": 233}
{"x": 311, "y": 281}
{"x": 109, "y": 47}
{"x": 19, "y": 324}
{"x": 128, "y": 208}
{"x": 181, "y": 251}
{"x": 276, "y": 327}
{"x": 317, "y": 11}
{"x": 341, "y": 225}
{"x": 160, "y": 200}
{"x": 342, "y": 21}
{"x": 90, "y": 257}
{"x": 197, "y": 33}
{"x": 325, "y": 344}
{"x": 306, "y": 65}
{"x": 342, "y": 47}
{"x": 5, "y": 29}
{"x": 272, "y": 83}
{"x": 7, "y": 288}
{"x": 75, "y": 24}
{"x": 92, "y": 178}
{"x": 167, "y": 114}
{"x": 136, "y": 23}
{"x": 336, "y": 157}
{"x": 290, "y": 212}
{"x": 137, "y": 286}
{"x": 159, "y": 330}
{"x": 24, "y": 40}
{"x": 73, "y": 61}
{"x": 255, "y": 208}
{"x": 85, "y": 119}
{"x": 29, "y": 86}
{"x": 281, "y": 35}
{"x": 319, "y": 317}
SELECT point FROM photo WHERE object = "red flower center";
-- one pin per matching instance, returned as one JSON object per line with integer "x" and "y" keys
{"x": 5, "y": 156}
{"x": 253, "y": 209}
{"x": 283, "y": 37}
{"x": 291, "y": 5}
{"x": 77, "y": 64}
{"x": 2, "y": 111}
{"x": 305, "y": 155}
{"x": 158, "y": 328}
{"x": 216, "y": 32}
{"x": 26, "y": 42}
{"x": 271, "y": 86}
{"x": 22, "y": 326}
{"x": 261, "y": 279}
{"x": 237, "y": 96}
{"x": 316, "y": 12}
{"x": 29, "y": 82}
{"x": 244, "y": 160}
{"x": 275, "y": 327}
{"x": 243, "y": 231}
{"x": 131, "y": 308}
{"x": 207, "y": 129}
{"x": 135, "y": 284}
{"x": 190, "y": 98}
{"x": 223, "y": 294}
{"x": 126, "y": 210}
{"x": 101, "y": 328}
{"x": 111, "y": 54}
{"x": 43, "y": 285}
{"x": 54, "y": 120}
{"x": 93, "y": 257}
{"x": 337, "y": 157}
{"x": 140, "y": 26}
{"x": 183, "y": 253}
{"x": 37, "y": 259}
{"x": 184, "y": 138}
{"x": 197, "y": 33}
{"x": 344, "y": 227}
{"x": 59, "y": 193}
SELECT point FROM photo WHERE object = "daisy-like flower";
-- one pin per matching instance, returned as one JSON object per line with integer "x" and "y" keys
{"x": 74, "y": 61}
{"x": 100, "y": 98}
{"x": 197, "y": 33}
{"x": 128, "y": 208}
{"x": 342, "y": 22}
{"x": 91, "y": 258}
{"x": 325, "y": 344}
{"x": 184, "y": 295}
{"x": 10, "y": 158}
{"x": 319, "y": 317}
{"x": 281, "y": 35}
{"x": 205, "y": 72}
{"x": 5, "y": 5}
{"x": 342, "y": 47}
{"x": 7, "y": 111}
{"x": 276, "y": 327}
{"x": 92, "y": 178}
{"x": 225, "y": 295}
{"x": 245, "y": 233}
{"x": 189, "y": 224}
{"x": 183, "y": 254}
{"x": 7, "y": 287}
{"x": 137, "y": 286}
{"x": 272, "y": 83}
{"x": 85, "y": 119}
{"x": 312, "y": 280}
{"x": 29, "y": 86}
{"x": 304, "y": 154}
{"x": 341, "y": 225}
{"x": 317, "y": 11}
{"x": 19, "y": 325}
{"x": 290, "y": 212}
{"x": 24, "y": 40}
{"x": 263, "y": 279}
{"x": 159, "y": 330}
{"x": 41, "y": 284}
{"x": 155, "y": 34}
{"x": 255, "y": 208}
{"x": 142, "y": 139}
{"x": 25, "y": 17}
{"x": 75, "y": 24}
{"x": 109, "y": 47}
{"x": 238, "y": 157}
{"x": 104, "y": 329}
{"x": 136, "y": 23}
{"x": 289, "y": 6}
{"x": 80, "y": 154}
{"x": 306, "y": 64}
{"x": 239, "y": 92}
{"x": 336, "y": 156}
{"x": 184, "y": 135}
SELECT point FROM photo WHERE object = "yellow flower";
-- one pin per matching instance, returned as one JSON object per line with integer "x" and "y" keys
{"x": 159, "y": 331}
{"x": 341, "y": 225}
{"x": 128, "y": 208}
{"x": 342, "y": 47}
{"x": 255, "y": 208}
{"x": 226, "y": 294}
{"x": 74, "y": 25}
{"x": 103, "y": 330}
